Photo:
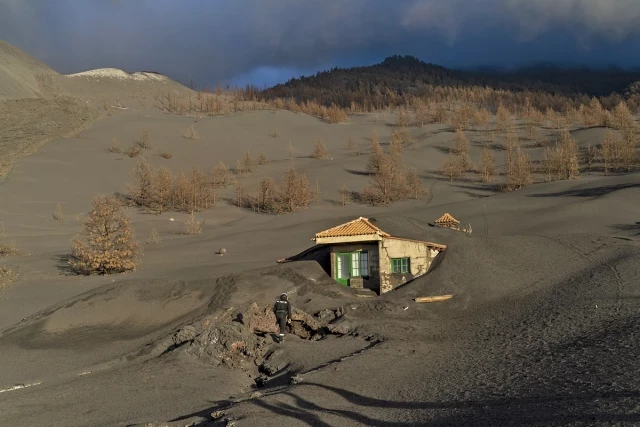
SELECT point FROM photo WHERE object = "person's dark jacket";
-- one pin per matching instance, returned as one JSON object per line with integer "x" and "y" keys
{"x": 282, "y": 308}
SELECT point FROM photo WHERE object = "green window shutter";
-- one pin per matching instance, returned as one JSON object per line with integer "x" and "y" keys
{"x": 400, "y": 265}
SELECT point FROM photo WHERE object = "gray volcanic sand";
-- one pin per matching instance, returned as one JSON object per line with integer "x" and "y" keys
{"x": 542, "y": 330}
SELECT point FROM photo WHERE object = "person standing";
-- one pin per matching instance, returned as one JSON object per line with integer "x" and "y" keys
{"x": 282, "y": 308}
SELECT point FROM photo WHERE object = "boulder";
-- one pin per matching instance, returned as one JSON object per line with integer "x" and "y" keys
{"x": 260, "y": 320}
{"x": 188, "y": 333}
{"x": 231, "y": 344}
{"x": 342, "y": 327}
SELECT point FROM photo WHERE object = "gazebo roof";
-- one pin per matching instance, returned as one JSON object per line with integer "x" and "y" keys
{"x": 447, "y": 219}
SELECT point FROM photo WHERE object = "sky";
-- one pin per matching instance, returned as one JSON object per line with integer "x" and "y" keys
{"x": 265, "y": 42}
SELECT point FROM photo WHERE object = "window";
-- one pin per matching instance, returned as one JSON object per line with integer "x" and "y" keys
{"x": 359, "y": 264}
{"x": 400, "y": 265}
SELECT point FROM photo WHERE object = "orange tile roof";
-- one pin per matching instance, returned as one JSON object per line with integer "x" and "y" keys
{"x": 446, "y": 219}
{"x": 357, "y": 227}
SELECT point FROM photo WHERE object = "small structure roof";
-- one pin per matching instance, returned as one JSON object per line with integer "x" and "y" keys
{"x": 447, "y": 219}
{"x": 357, "y": 227}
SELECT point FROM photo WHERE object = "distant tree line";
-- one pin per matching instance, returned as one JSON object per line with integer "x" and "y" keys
{"x": 397, "y": 79}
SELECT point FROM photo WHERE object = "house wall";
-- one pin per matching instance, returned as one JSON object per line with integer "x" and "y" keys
{"x": 420, "y": 254}
{"x": 373, "y": 281}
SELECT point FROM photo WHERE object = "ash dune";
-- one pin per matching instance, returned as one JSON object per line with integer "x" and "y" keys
{"x": 38, "y": 104}
{"x": 21, "y": 74}
{"x": 542, "y": 328}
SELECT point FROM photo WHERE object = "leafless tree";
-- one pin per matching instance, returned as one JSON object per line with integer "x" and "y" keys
{"x": 107, "y": 243}
{"x": 162, "y": 188}
{"x": 487, "y": 167}
{"x": 141, "y": 190}
{"x": 319, "y": 150}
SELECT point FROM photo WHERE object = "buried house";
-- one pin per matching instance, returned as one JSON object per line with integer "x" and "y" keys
{"x": 360, "y": 255}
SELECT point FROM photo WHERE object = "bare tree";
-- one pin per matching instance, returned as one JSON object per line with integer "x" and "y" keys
{"x": 246, "y": 165}
{"x": 162, "y": 188}
{"x": 295, "y": 191}
{"x": 453, "y": 166}
{"x": 391, "y": 181}
{"x": 133, "y": 151}
{"x": 462, "y": 149}
{"x": 267, "y": 197}
{"x": 396, "y": 148}
{"x": 568, "y": 147}
{"x": 503, "y": 118}
{"x": 593, "y": 114}
{"x": 334, "y": 114}
{"x": 422, "y": 113}
{"x": 145, "y": 139}
{"x": 510, "y": 149}
{"x": 107, "y": 243}
{"x": 115, "y": 146}
{"x": 220, "y": 178}
{"x": 374, "y": 137}
{"x": 622, "y": 117}
{"x": 481, "y": 118}
{"x": 414, "y": 184}
{"x": 57, "y": 214}
{"x": 460, "y": 119}
{"x": 384, "y": 181}
{"x": 402, "y": 120}
{"x": 199, "y": 196}
{"x": 319, "y": 150}
{"x": 240, "y": 193}
{"x": 590, "y": 155}
{"x": 291, "y": 152}
{"x": 351, "y": 146}
{"x": 180, "y": 192}
{"x": 193, "y": 225}
{"x": 191, "y": 133}
{"x": 551, "y": 163}
{"x": 487, "y": 167}
{"x": 6, "y": 249}
{"x": 345, "y": 195}
{"x": 521, "y": 172}
{"x": 262, "y": 159}
{"x": 440, "y": 113}
{"x": 141, "y": 189}
{"x": 375, "y": 157}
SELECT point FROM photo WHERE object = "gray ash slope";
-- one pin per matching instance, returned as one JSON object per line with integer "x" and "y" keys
{"x": 540, "y": 344}
{"x": 543, "y": 329}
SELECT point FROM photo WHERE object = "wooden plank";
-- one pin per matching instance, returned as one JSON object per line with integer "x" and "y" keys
{"x": 436, "y": 298}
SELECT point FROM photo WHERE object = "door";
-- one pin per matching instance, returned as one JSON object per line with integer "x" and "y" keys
{"x": 343, "y": 268}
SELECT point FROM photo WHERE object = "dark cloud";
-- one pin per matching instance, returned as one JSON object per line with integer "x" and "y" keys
{"x": 212, "y": 40}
